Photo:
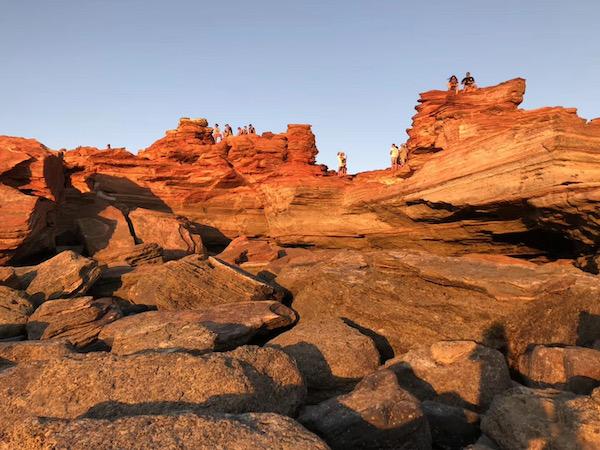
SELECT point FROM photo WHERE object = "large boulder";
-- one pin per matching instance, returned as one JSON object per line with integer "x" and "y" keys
{"x": 175, "y": 234}
{"x": 218, "y": 328}
{"x": 181, "y": 431}
{"x": 576, "y": 369}
{"x": 331, "y": 356}
{"x": 250, "y": 254}
{"x": 15, "y": 309}
{"x": 192, "y": 283}
{"x": 63, "y": 276}
{"x": 523, "y": 418}
{"x": 78, "y": 321}
{"x": 378, "y": 414}
{"x": 106, "y": 233}
{"x": 451, "y": 426}
{"x": 102, "y": 385}
{"x": 457, "y": 373}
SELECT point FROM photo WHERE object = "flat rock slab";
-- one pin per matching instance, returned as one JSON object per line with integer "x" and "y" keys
{"x": 63, "y": 276}
{"x": 184, "y": 431}
{"x": 457, "y": 373}
{"x": 331, "y": 355}
{"x": 78, "y": 320}
{"x": 15, "y": 309}
{"x": 534, "y": 418}
{"x": 378, "y": 414}
{"x": 102, "y": 385}
{"x": 218, "y": 328}
{"x": 23, "y": 351}
{"x": 193, "y": 283}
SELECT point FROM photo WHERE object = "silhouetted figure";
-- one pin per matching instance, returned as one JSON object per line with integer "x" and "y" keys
{"x": 108, "y": 146}
{"x": 453, "y": 84}
{"x": 468, "y": 83}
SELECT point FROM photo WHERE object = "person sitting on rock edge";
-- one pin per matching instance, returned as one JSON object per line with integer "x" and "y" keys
{"x": 394, "y": 152}
{"x": 453, "y": 84}
{"x": 468, "y": 82}
{"x": 342, "y": 166}
{"x": 217, "y": 134}
{"x": 403, "y": 155}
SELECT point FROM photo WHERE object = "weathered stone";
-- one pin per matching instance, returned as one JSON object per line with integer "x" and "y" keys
{"x": 331, "y": 356}
{"x": 457, "y": 373}
{"x": 251, "y": 254}
{"x": 377, "y": 414}
{"x": 202, "y": 432}
{"x": 192, "y": 283}
{"x": 176, "y": 235}
{"x": 451, "y": 426}
{"x": 523, "y": 418}
{"x": 576, "y": 369}
{"x": 105, "y": 234}
{"x": 9, "y": 278}
{"x": 218, "y": 328}
{"x": 17, "y": 352}
{"x": 65, "y": 275}
{"x": 102, "y": 385}
{"x": 15, "y": 308}
{"x": 138, "y": 255}
{"x": 79, "y": 320}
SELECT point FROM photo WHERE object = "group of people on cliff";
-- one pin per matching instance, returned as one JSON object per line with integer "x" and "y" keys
{"x": 218, "y": 136}
{"x": 398, "y": 155}
{"x": 467, "y": 83}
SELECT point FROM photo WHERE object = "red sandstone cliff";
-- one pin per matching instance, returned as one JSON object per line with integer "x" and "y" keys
{"x": 483, "y": 175}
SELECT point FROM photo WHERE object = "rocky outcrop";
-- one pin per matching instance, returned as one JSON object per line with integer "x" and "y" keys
{"x": 218, "y": 328}
{"x": 101, "y": 385}
{"x": 23, "y": 351}
{"x": 251, "y": 255}
{"x": 192, "y": 282}
{"x": 377, "y": 414}
{"x": 31, "y": 182}
{"x": 78, "y": 321}
{"x": 202, "y": 432}
{"x": 331, "y": 356}
{"x": 528, "y": 418}
{"x": 575, "y": 369}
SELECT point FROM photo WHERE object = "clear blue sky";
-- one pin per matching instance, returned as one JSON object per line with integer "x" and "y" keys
{"x": 84, "y": 72}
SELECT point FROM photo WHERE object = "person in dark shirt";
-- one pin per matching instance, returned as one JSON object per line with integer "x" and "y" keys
{"x": 468, "y": 82}
{"x": 453, "y": 84}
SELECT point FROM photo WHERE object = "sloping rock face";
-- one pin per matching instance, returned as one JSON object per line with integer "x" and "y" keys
{"x": 203, "y": 432}
{"x": 15, "y": 309}
{"x": 483, "y": 176}
{"x": 31, "y": 182}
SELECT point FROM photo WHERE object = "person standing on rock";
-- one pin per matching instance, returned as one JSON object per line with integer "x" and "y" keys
{"x": 453, "y": 84}
{"x": 217, "y": 134}
{"x": 403, "y": 154}
{"x": 245, "y": 129}
{"x": 342, "y": 167}
{"x": 240, "y": 131}
{"x": 394, "y": 153}
{"x": 251, "y": 129}
{"x": 468, "y": 83}
{"x": 227, "y": 131}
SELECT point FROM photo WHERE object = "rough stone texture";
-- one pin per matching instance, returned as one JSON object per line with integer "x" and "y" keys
{"x": 192, "y": 283}
{"x": 331, "y": 356}
{"x": 402, "y": 308}
{"x": 182, "y": 431}
{"x": 377, "y": 414}
{"x": 15, "y": 308}
{"x": 523, "y": 418}
{"x": 218, "y": 328}
{"x": 9, "y": 278}
{"x": 23, "y": 351}
{"x": 78, "y": 321}
{"x": 31, "y": 180}
{"x": 138, "y": 255}
{"x": 106, "y": 233}
{"x": 575, "y": 369}
{"x": 250, "y": 254}
{"x": 65, "y": 275}
{"x": 102, "y": 385}
{"x": 457, "y": 373}
{"x": 175, "y": 234}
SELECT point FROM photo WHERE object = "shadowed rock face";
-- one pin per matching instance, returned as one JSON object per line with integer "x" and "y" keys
{"x": 203, "y": 431}
{"x": 15, "y": 309}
